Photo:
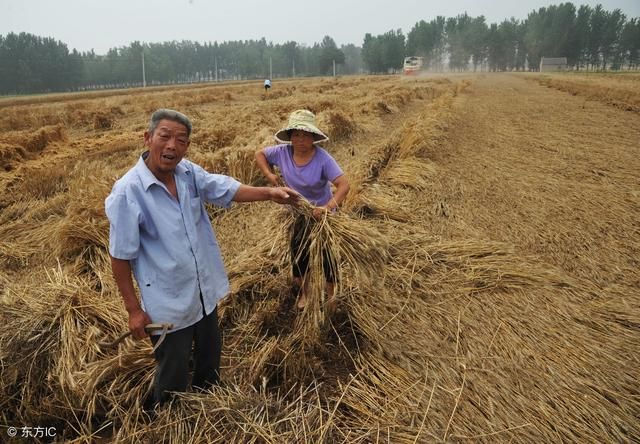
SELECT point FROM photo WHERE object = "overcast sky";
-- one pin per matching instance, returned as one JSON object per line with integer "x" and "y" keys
{"x": 103, "y": 24}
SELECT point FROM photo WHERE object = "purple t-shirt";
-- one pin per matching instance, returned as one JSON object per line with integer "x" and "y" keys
{"x": 312, "y": 180}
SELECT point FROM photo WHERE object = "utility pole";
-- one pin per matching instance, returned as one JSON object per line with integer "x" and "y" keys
{"x": 144, "y": 77}
{"x": 294, "y": 67}
{"x": 216, "y": 63}
{"x": 270, "y": 68}
{"x": 334, "y": 67}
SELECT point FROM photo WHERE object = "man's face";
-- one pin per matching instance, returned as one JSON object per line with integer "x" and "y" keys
{"x": 167, "y": 146}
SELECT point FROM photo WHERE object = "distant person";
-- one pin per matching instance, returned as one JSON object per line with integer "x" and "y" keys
{"x": 160, "y": 231}
{"x": 267, "y": 85}
{"x": 310, "y": 170}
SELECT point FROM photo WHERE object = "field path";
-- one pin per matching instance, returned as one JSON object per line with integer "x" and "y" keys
{"x": 554, "y": 175}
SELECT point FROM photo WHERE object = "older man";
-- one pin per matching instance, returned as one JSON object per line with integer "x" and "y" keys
{"x": 160, "y": 230}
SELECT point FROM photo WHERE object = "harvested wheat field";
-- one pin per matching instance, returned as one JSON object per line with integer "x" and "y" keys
{"x": 488, "y": 254}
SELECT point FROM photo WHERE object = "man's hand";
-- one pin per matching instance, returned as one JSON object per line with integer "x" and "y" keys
{"x": 284, "y": 195}
{"x": 137, "y": 321}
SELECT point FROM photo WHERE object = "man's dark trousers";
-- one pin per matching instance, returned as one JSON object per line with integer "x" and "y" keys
{"x": 172, "y": 358}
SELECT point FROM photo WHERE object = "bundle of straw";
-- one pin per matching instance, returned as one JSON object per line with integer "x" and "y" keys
{"x": 51, "y": 333}
{"x": 351, "y": 248}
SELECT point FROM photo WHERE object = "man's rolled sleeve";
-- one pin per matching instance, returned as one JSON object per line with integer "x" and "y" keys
{"x": 216, "y": 188}
{"x": 124, "y": 220}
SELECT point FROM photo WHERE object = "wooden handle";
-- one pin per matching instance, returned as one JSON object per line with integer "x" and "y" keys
{"x": 149, "y": 328}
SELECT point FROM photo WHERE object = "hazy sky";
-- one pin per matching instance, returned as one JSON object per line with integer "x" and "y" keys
{"x": 103, "y": 24}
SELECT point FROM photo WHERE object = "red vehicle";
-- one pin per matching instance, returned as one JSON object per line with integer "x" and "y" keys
{"x": 412, "y": 65}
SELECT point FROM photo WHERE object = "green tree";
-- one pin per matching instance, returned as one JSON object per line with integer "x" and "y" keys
{"x": 329, "y": 53}
{"x": 393, "y": 50}
{"x": 428, "y": 40}
{"x": 475, "y": 40}
{"x": 597, "y": 24}
{"x": 291, "y": 53}
{"x": 610, "y": 43}
{"x": 578, "y": 52}
{"x": 29, "y": 63}
{"x": 459, "y": 39}
{"x": 372, "y": 54}
{"x": 384, "y": 53}
{"x": 630, "y": 43}
{"x": 352, "y": 59}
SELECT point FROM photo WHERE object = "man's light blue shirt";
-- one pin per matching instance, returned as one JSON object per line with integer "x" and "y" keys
{"x": 170, "y": 243}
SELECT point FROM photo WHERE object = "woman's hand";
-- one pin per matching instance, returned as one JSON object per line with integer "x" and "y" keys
{"x": 274, "y": 180}
{"x": 263, "y": 164}
{"x": 319, "y": 212}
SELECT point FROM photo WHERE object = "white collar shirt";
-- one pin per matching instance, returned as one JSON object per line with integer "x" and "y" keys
{"x": 170, "y": 242}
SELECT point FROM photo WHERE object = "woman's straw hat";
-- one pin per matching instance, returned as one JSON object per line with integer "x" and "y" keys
{"x": 304, "y": 120}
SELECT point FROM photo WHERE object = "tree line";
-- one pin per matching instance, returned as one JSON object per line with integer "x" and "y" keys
{"x": 590, "y": 38}
{"x": 29, "y": 63}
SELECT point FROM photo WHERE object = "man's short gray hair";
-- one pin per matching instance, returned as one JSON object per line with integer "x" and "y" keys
{"x": 169, "y": 114}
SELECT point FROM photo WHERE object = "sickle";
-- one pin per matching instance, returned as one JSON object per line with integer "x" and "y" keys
{"x": 149, "y": 328}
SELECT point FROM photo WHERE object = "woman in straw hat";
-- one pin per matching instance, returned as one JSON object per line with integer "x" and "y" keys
{"x": 310, "y": 170}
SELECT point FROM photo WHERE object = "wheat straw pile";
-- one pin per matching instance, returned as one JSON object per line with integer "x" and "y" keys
{"x": 438, "y": 336}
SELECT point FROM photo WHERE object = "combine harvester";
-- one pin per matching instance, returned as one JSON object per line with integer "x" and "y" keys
{"x": 413, "y": 65}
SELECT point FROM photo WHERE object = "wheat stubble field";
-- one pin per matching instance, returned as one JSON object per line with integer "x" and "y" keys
{"x": 490, "y": 265}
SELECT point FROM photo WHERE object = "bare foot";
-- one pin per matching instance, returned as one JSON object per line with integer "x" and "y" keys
{"x": 302, "y": 297}
{"x": 332, "y": 304}
{"x": 331, "y": 290}
{"x": 332, "y": 301}
{"x": 302, "y": 301}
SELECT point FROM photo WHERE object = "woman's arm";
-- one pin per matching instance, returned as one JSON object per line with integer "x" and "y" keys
{"x": 263, "y": 164}
{"x": 342, "y": 189}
